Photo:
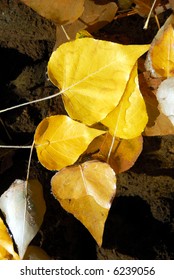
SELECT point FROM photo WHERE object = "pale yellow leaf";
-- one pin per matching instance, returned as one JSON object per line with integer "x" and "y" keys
{"x": 92, "y": 75}
{"x": 60, "y": 141}
{"x": 23, "y": 213}
{"x": 86, "y": 191}
{"x": 129, "y": 118}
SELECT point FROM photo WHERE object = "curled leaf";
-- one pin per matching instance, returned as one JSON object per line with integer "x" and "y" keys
{"x": 92, "y": 75}
{"x": 160, "y": 58}
{"x": 129, "y": 118}
{"x": 24, "y": 214}
{"x": 60, "y": 141}
{"x": 86, "y": 191}
{"x": 59, "y": 11}
{"x": 6, "y": 244}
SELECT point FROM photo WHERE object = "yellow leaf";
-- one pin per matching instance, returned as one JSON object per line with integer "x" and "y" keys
{"x": 92, "y": 75}
{"x": 60, "y": 141}
{"x": 129, "y": 118}
{"x": 120, "y": 154}
{"x": 59, "y": 11}
{"x": 6, "y": 244}
{"x": 86, "y": 191}
{"x": 160, "y": 58}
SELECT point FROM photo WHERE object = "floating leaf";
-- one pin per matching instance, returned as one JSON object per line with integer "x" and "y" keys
{"x": 120, "y": 154}
{"x": 60, "y": 141}
{"x": 59, "y": 11}
{"x": 86, "y": 191}
{"x": 165, "y": 97}
{"x": 24, "y": 215}
{"x": 6, "y": 244}
{"x": 160, "y": 58}
{"x": 129, "y": 118}
{"x": 92, "y": 75}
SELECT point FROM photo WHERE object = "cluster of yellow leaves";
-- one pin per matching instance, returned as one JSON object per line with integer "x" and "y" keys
{"x": 98, "y": 82}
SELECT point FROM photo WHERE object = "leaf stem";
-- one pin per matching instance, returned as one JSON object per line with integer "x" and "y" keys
{"x": 31, "y": 102}
{"x": 14, "y": 147}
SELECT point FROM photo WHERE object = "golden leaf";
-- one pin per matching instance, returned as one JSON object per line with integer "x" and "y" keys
{"x": 92, "y": 75}
{"x": 6, "y": 244}
{"x": 86, "y": 191}
{"x": 60, "y": 141}
{"x": 61, "y": 12}
{"x": 160, "y": 58}
{"x": 120, "y": 154}
{"x": 129, "y": 118}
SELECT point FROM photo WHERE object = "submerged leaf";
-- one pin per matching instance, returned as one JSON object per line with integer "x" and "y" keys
{"x": 6, "y": 244}
{"x": 60, "y": 141}
{"x": 129, "y": 118}
{"x": 24, "y": 214}
{"x": 92, "y": 75}
{"x": 58, "y": 11}
{"x": 86, "y": 191}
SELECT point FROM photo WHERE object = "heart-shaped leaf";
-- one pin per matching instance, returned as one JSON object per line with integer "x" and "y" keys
{"x": 86, "y": 191}
{"x": 92, "y": 75}
{"x": 60, "y": 141}
{"x": 24, "y": 210}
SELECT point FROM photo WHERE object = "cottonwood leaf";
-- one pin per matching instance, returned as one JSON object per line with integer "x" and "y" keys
{"x": 160, "y": 57}
{"x": 129, "y": 118}
{"x": 165, "y": 97}
{"x": 61, "y": 12}
{"x": 24, "y": 214}
{"x": 96, "y": 14}
{"x": 143, "y": 7}
{"x": 86, "y": 191}
{"x": 6, "y": 244}
{"x": 59, "y": 141}
{"x": 92, "y": 75}
{"x": 120, "y": 154}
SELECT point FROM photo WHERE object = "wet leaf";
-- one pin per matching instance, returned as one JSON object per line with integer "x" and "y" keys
{"x": 60, "y": 141}
{"x": 120, "y": 154}
{"x": 24, "y": 215}
{"x": 59, "y": 11}
{"x": 92, "y": 75}
{"x": 6, "y": 244}
{"x": 129, "y": 118}
{"x": 160, "y": 58}
{"x": 86, "y": 191}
